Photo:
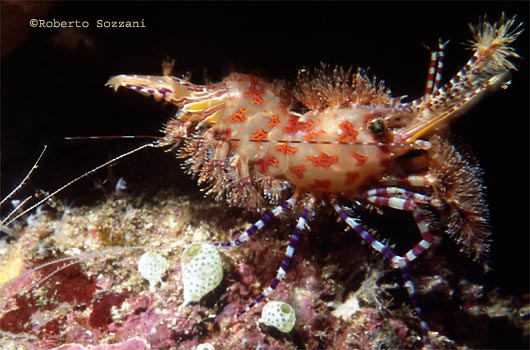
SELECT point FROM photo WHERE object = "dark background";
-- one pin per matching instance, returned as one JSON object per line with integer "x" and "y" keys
{"x": 53, "y": 86}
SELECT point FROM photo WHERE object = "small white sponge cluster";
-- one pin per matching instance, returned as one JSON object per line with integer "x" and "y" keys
{"x": 152, "y": 267}
{"x": 279, "y": 315}
{"x": 202, "y": 271}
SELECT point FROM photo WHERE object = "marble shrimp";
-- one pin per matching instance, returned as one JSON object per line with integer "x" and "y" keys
{"x": 339, "y": 139}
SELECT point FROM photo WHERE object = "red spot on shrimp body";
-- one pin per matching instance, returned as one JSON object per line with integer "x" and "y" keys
{"x": 273, "y": 121}
{"x": 359, "y": 158}
{"x": 239, "y": 115}
{"x": 323, "y": 160}
{"x": 259, "y": 135}
{"x": 348, "y": 133}
{"x": 265, "y": 163}
{"x": 298, "y": 170}
{"x": 286, "y": 149}
{"x": 256, "y": 93}
{"x": 234, "y": 145}
{"x": 307, "y": 128}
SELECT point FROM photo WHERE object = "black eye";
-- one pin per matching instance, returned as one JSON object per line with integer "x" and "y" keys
{"x": 376, "y": 126}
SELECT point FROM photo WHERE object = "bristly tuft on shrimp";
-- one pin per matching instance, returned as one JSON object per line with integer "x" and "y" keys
{"x": 458, "y": 182}
{"x": 329, "y": 87}
{"x": 495, "y": 40}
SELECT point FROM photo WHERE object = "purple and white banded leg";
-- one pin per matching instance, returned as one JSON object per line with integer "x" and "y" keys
{"x": 392, "y": 197}
{"x": 286, "y": 261}
{"x": 301, "y": 225}
{"x": 258, "y": 225}
{"x": 401, "y": 199}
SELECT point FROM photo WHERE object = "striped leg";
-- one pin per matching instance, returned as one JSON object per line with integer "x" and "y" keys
{"x": 377, "y": 245}
{"x": 407, "y": 278}
{"x": 431, "y": 76}
{"x": 386, "y": 197}
{"x": 396, "y": 260}
{"x": 415, "y": 181}
{"x": 434, "y": 75}
{"x": 398, "y": 193}
{"x": 286, "y": 262}
{"x": 440, "y": 65}
{"x": 258, "y": 225}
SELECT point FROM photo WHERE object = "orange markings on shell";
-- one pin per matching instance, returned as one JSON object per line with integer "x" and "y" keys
{"x": 265, "y": 163}
{"x": 234, "y": 145}
{"x": 286, "y": 149}
{"x": 359, "y": 158}
{"x": 349, "y": 134}
{"x": 298, "y": 170}
{"x": 308, "y": 128}
{"x": 257, "y": 100}
{"x": 323, "y": 160}
{"x": 255, "y": 91}
{"x": 273, "y": 121}
{"x": 259, "y": 135}
{"x": 239, "y": 115}
{"x": 293, "y": 125}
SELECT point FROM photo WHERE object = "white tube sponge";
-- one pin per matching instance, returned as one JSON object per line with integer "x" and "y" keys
{"x": 279, "y": 315}
{"x": 202, "y": 271}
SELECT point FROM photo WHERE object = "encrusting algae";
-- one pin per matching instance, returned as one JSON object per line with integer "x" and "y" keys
{"x": 94, "y": 295}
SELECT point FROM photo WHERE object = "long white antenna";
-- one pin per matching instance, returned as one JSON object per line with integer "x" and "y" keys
{"x": 80, "y": 177}
{"x": 35, "y": 166}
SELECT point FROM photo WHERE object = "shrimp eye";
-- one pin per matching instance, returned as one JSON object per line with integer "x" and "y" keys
{"x": 376, "y": 126}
